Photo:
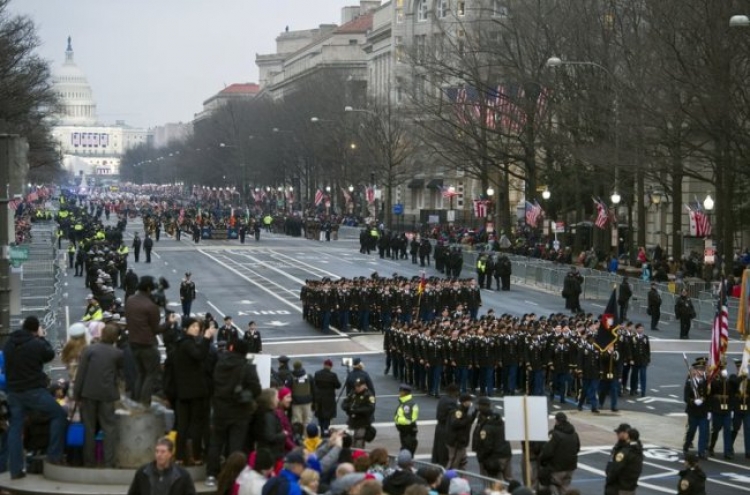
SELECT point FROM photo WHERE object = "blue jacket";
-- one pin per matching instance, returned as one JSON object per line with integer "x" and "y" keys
{"x": 286, "y": 483}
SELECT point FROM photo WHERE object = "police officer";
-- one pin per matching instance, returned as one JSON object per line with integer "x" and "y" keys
{"x": 685, "y": 312}
{"x": 654, "y": 307}
{"x": 137, "y": 247}
{"x": 504, "y": 269}
{"x": 458, "y": 432}
{"x": 407, "y": 414}
{"x": 71, "y": 255}
{"x": 625, "y": 463}
{"x": 488, "y": 441}
{"x": 358, "y": 372}
{"x": 187, "y": 294}
{"x": 692, "y": 478}
{"x": 359, "y": 405}
{"x": 148, "y": 245}
{"x": 695, "y": 394}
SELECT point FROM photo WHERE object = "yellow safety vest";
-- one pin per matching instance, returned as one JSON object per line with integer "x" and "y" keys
{"x": 407, "y": 412}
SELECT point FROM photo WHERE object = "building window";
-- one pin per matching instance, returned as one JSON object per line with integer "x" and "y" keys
{"x": 445, "y": 6}
{"x": 399, "y": 11}
{"x": 461, "y": 42}
{"x": 461, "y": 8}
{"x": 422, "y": 11}
{"x": 421, "y": 43}
{"x": 399, "y": 49}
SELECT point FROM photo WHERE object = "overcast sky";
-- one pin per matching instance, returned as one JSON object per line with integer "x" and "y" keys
{"x": 150, "y": 62}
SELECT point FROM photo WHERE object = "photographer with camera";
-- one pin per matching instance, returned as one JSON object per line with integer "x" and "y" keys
{"x": 143, "y": 317}
{"x": 360, "y": 407}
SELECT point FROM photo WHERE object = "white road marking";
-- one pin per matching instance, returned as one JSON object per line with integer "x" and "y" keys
{"x": 221, "y": 313}
{"x": 311, "y": 341}
{"x": 601, "y": 473}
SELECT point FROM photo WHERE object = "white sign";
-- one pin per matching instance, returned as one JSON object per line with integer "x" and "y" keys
{"x": 524, "y": 414}
{"x": 433, "y": 219}
{"x": 262, "y": 364}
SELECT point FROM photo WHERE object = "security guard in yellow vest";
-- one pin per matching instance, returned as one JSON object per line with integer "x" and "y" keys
{"x": 481, "y": 269}
{"x": 406, "y": 417}
{"x": 123, "y": 250}
{"x": 267, "y": 221}
{"x": 71, "y": 254}
{"x": 93, "y": 310}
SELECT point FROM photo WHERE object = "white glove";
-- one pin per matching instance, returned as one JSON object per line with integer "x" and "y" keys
{"x": 724, "y": 373}
{"x": 698, "y": 402}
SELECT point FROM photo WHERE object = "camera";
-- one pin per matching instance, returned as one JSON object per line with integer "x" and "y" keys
{"x": 158, "y": 296}
{"x": 347, "y": 361}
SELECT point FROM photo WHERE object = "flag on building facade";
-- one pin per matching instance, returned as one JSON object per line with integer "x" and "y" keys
{"x": 699, "y": 223}
{"x": 719, "y": 333}
{"x": 480, "y": 208}
{"x": 447, "y": 192}
{"x": 602, "y": 214}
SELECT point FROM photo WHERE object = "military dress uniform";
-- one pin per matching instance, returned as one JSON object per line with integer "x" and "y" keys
{"x": 741, "y": 409}
{"x": 589, "y": 368}
{"x": 695, "y": 396}
{"x": 720, "y": 406}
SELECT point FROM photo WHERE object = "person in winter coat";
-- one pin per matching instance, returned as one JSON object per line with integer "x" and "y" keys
{"x": 162, "y": 475}
{"x": 403, "y": 477}
{"x": 192, "y": 390}
{"x": 559, "y": 458}
{"x": 232, "y": 412}
{"x": 654, "y": 307}
{"x": 282, "y": 412}
{"x": 96, "y": 390}
{"x": 26, "y": 353}
{"x": 303, "y": 394}
{"x": 325, "y": 383}
{"x": 692, "y": 478}
{"x": 459, "y": 431}
{"x": 488, "y": 441}
{"x": 287, "y": 481}
{"x": 685, "y": 312}
{"x": 572, "y": 290}
{"x": 267, "y": 431}
{"x": 259, "y": 468}
{"x": 446, "y": 405}
{"x": 625, "y": 463}
{"x": 623, "y": 298}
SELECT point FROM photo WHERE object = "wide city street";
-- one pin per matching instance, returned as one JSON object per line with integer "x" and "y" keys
{"x": 261, "y": 281}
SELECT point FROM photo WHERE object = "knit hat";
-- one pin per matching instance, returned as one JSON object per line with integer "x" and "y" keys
{"x": 297, "y": 365}
{"x": 312, "y": 430}
{"x": 283, "y": 392}
{"x": 404, "y": 459}
{"x": 459, "y": 486}
{"x": 328, "y": 363}
{"x": 294, "y": 457}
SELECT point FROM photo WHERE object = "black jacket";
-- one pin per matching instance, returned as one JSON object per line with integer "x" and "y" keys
{"x": 189, "y": 367}
{"x": 180, "y": 482}
{"x": 268, "y": 432}
{"x": 624, "y": 467}
{"x": 561, "y": 450}
{"x": 400, "y": 480}
{"x": 352, "y": 378}
{"x": 488, "y": 441}
{"x": 303, "y": 388}
{"x": 459, "y": 427}
{"x": 231, "y": 370}
{"x": 326, "y": 384}
{"x": 25, "y": 356}
{"x": 692, "y": 482}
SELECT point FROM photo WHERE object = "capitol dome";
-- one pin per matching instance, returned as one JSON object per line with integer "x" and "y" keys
{"x": 76, "y": 97}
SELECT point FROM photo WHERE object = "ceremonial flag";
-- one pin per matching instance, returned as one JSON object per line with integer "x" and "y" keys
{"x": 719, "y": 332}
{"x": 319, "y": 196}
{"x": 602, "y": 214}
{"x": 422, "y": 283}
{"x": 607, "y": 335}
{"x": 743, "y": 313}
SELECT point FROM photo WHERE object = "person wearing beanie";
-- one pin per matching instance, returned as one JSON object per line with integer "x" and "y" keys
{"x": 282, "y": 412}
{"x": 26, "y": 353}
{"x": 559, "y": 457}
{"x": 326, "y": 384}
{"x": 232, "y": 413}
{"x": 312, "y": 439}
{"x": 403, "y": 477}
{"x": 303, "y": 394}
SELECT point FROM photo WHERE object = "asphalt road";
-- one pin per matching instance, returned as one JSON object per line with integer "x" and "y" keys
{"x": 260, "y": 281}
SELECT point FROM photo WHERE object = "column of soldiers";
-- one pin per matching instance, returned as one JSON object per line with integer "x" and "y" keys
{"x": 717, "y": 405}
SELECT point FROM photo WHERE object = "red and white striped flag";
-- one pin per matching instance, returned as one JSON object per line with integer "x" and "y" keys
{"x": 370, "y": 192}
{"x": 719, "y": 332}
{"x": 480, "y": 208}
{"x": 602, "y": 214}
{"x": 533, "y": 212}
{"x": 702, "y": 224}
{"x": 448, "y": 192}
{"x": 319, "y": 196}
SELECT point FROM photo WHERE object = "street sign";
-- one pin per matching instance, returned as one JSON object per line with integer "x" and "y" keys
{"x": 559, "y": 227}
{"x": 398, "y": 209}
{"x": 18, "y": 254}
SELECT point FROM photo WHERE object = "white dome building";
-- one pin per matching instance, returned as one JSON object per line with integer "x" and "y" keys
{"x": 76, "y": 97}
{"x": 88, "y": 147}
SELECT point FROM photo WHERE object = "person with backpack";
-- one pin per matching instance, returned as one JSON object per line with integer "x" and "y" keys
{"x": 287, "y": 481}
{"x": 303, "y": 394}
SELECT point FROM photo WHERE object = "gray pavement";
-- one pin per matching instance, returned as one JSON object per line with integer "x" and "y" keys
{"x": 260, "y": 281}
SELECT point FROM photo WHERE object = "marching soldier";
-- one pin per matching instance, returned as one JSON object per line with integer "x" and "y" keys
{"x": 359, "y": 405}
{"x": 719, "y": 404}
{"x": 610, "y": 377}
{"x": 740, "y": 406}
{"x": 695, "y": 394}
{"x": 187, "y": 294}
{"x": 589, "y": 369}
{"x": 641, "y": 359}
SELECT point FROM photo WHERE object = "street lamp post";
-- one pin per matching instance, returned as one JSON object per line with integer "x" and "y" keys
{"x": 739, "y": 21}
{"x": 491, "y": 205}
{"x": 616, "y": 198}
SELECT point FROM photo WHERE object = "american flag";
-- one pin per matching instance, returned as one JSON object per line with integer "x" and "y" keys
{"x": 14, "y": 203}
{"x": 533, "y": 212}
{"x": 602, "y": 214}
{"x": 319, "y": 197}
{"x": 702, "y": 223}
{"x": 448, "y": 192}
{"x": 719, "y": 332}
{"x": 347, "y": 196}
{"x": 480, "y": 208}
